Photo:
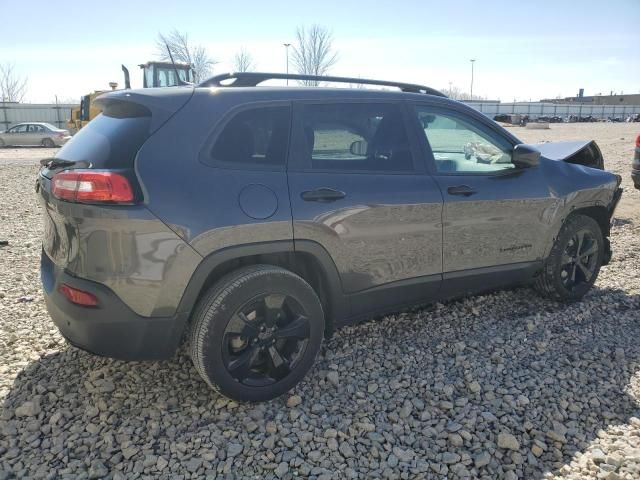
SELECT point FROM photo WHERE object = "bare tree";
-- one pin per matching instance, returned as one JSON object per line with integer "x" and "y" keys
{"x": 243, "y": 61}
{"x": 13, "y": 88}
{"x": 195, "y": 55}
{"x": 313, "y": 53}
{"x": 457, "y": 93}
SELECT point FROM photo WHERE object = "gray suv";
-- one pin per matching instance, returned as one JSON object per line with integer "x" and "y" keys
{"x": 256, "y": 220}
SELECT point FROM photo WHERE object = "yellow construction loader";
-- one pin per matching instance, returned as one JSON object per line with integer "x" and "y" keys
{"x": 155, "y": 74}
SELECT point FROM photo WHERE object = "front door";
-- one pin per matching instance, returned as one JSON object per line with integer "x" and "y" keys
{"x": 15, "y": 135}
{"x": 494, "y": 213}
{"x": 357, "y": 190}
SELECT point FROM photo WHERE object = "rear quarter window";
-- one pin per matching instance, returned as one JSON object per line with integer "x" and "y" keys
{"x": 255, "y": 137}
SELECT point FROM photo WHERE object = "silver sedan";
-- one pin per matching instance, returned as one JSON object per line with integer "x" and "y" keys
{"x": 30, "y": 134}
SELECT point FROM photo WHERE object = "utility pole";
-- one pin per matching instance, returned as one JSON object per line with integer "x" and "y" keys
{"x": 473, "y": 60}
{"x": 286, "y": 47}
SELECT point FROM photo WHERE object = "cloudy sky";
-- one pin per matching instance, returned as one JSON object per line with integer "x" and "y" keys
{"x": 522, "y": 49}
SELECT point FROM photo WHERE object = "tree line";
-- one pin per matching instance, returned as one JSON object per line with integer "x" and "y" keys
{"x": 313, "y": 53}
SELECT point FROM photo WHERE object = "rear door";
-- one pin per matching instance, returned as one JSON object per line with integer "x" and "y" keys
{"x": 495, "y": 214}
{"x": 31, "y": 137}
{"x": 37, "y": 135}
{"x": 357, "y": 190}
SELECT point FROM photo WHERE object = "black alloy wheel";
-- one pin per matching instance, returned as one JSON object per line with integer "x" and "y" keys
{"x": 256, "y": 332}
{"x": 265, "y": 339}
{"x": 574, "y": 262}
{"x": 579, "y": 260}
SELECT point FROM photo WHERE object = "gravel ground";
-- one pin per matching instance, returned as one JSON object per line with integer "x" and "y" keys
{"x": 505, "y": 385}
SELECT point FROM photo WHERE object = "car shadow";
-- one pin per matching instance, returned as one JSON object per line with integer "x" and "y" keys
{"x": 536, "y": 372}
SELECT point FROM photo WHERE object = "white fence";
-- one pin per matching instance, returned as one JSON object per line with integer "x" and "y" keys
{"x": 537, "y": 109}
{"x": 12, "y": 113}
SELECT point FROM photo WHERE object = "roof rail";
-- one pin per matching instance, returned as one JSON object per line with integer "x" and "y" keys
{"x": 252, "y": 79}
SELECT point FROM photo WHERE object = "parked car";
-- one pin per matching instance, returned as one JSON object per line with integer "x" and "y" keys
{"x": 635, "y": 166}
{"x": 34, "y": 134}
{"x": 256, "y": 220}
{"x": 550, "y": 119}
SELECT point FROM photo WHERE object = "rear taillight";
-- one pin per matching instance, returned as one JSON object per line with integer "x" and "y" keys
{"x": 79, "y": 297}
{"x": 638, "y": 141}
{"x": 92, "y": 187}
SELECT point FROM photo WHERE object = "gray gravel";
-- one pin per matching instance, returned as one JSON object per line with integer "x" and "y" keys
{"x": 501, "y": 385}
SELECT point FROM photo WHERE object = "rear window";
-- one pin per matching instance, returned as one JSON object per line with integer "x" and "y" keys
{"x": 108, "y": 142}
{"x": 254, "y": 137}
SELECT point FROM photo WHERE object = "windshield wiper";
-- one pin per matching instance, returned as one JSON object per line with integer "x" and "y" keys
{"x": 55, "y": 162}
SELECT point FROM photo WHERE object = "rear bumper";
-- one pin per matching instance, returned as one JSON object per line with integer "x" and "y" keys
{"x": 112, "y": 329}
{"x": 635, "y": 176}
{"x": 60, "y": 141}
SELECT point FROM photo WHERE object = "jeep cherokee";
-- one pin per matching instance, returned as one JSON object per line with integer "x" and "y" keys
{"x": 255, "y": 220}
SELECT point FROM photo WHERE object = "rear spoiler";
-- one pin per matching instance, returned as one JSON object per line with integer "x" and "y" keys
{"x": 159, "y": 104}
{"x": 583, "y": 152}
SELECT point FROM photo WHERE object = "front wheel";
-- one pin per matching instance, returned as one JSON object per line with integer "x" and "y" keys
{"x": 574, "y": 262}
{"x": 256, "y": 333}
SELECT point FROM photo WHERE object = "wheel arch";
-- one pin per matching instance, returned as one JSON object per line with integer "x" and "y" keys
{"x": 308, "y": 259}
{"x": 602, "y": 216}
{"x": 599, "y": 213}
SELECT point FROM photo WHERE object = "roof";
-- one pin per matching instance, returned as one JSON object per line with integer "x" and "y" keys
{"x": 253, "y": 79}
{"x": 257, "y": 94}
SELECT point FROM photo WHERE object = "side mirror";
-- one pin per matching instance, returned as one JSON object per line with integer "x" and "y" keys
{"x": 525, "y": 156}
{"x": 359, "y": 148}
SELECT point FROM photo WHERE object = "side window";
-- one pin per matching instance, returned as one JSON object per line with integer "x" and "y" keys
{"x": 356, "y": 137}
{"x": 258, "y": 136}
{"x": 20, "y": 129}
{"x": 148, "y": 76}
{"x": 459, "y": 147}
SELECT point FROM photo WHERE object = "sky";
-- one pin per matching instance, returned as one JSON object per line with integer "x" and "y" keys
{"x": 523, "y": 49}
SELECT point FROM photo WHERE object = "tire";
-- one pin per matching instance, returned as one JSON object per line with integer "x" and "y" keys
{"x": 48, "y": 143}
{"x": 568, "y": 282}
{"x": 2, "y": 143}
{"x": 247, "y": 347}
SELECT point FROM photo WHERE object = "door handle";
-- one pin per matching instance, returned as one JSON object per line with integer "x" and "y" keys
{"x": 322, "y": 195}
{"x": 465, "y": 190}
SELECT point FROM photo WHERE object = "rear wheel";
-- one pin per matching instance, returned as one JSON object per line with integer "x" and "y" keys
{"x": 256, "y": 333}
{"x": 574, "y": 262}
{"x": 48, "y": 143}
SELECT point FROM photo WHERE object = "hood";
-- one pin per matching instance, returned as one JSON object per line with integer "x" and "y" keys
{"x": 581, "y": 152}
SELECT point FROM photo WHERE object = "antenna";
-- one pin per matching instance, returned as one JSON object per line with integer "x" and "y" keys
{"x": 175, "y": 69}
